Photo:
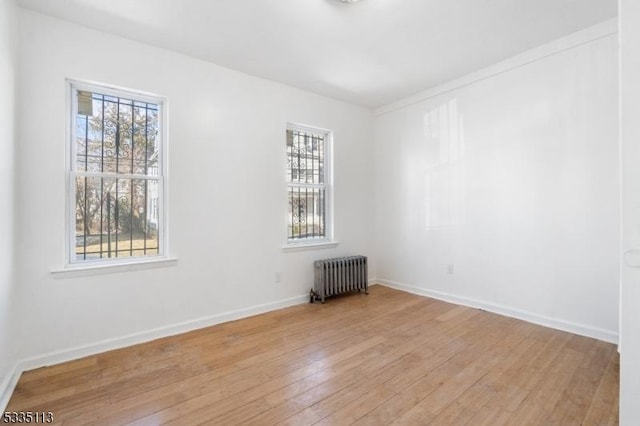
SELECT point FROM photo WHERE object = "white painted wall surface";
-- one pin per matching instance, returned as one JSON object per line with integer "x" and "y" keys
{"x": 512, "y": 180}
{"x": 630, "y": 154}
{"x": 7, "y": 138}
{"x": 227, "y": 188}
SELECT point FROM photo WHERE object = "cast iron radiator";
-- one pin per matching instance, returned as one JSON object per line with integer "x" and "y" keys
{"x": 339, "y": 275}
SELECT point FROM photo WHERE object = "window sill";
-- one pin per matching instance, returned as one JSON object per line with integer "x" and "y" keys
{"x": 310, "y": 246}
{"x": 81, "y": 270}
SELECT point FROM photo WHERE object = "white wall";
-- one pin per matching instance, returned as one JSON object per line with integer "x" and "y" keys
{"x": 629, "y": 11}
{"x": 7, "y": 137}
{"x": 511, "y": 178}
{"x": 227, "y": 188}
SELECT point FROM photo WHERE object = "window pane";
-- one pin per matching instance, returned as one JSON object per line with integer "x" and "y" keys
{"x": 305, "y": 157}
{"x": 116, "y": 218}
{"x": 306, "y": 213}
{"x": 120, "y": 136}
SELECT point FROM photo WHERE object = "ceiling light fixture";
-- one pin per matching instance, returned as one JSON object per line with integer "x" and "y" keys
{"x": 349, "y": 1}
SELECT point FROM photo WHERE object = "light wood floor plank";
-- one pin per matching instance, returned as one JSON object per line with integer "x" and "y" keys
{"x": 386, "y": 358}
{"x": 603, "y": 409}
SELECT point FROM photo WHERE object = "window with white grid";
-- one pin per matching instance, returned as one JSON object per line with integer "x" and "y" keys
{"x": 309, "y": 185}
{"x": 116, "y": 176}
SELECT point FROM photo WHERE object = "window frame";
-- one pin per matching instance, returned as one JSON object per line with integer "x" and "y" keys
{"x": 71, "y": 171}
{"x": 328, "y": 239}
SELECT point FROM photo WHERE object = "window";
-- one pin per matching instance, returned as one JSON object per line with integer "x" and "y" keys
{"x": 115, "y": 175}
{"x": 309, "y": 185}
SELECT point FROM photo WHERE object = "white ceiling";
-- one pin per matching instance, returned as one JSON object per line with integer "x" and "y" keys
{"x": 370, "y": 53}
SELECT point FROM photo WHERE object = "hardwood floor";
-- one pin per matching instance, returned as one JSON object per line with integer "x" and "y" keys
{"x": 386, "y": 358}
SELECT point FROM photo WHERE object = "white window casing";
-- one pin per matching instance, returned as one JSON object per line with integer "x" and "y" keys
{"x": 116, "y": 177}
{"x": 309, "y": 187}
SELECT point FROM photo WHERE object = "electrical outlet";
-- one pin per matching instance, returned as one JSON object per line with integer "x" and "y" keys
{"x": 277, "y": 277}
{"x": 450, "y": 269}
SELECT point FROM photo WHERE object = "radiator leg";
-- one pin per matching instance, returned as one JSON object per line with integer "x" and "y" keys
{"x": 313, "y": 296}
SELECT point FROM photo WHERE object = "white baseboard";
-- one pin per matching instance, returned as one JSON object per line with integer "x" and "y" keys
{"x": 9, "y": 383}
{"x": 11, "y": 379}
{"x": 559, "y": 324}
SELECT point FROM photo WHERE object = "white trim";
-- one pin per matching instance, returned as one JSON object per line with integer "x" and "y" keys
{"x": 65, "y": 355}
{"x": 307, "y": 128}
{"x": 116, "y": 91}
{"x": 69, "y": 151}
{"x": 8, "y": 385}
{"x": 329, "y": 162}
{"x": 117, "y": 265}
{"x": 305, "y": 185}
{"x": 10, "y": 381}
{"x": 308, "y": 245}
{"x": 556, "y": 323}
{"x": 621, "y": 185}
{"x": 116, "y": 175}
{"x": 596, "y": 32}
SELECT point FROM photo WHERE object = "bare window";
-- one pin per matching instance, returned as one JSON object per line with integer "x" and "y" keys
{"x": 308, "y": 184}
{"x": 116, "y": 175}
